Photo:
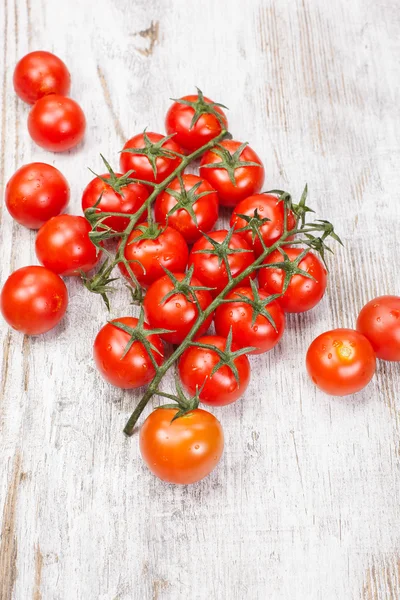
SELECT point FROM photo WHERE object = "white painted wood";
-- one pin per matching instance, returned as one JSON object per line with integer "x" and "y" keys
{"x": 305, "y": 504}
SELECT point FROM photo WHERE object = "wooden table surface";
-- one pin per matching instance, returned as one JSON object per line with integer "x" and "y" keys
{"x": 305, "y": 504}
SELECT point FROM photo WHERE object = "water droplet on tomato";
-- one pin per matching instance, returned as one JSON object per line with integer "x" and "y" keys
{"x": 197, "y": 446}
{"x": 109, "y": 347}
{"x": 395, "y": 314}
{"x": 177, "y": 305}
{"x": 255, "y": 328}
{"x": 378, "y": 319}
{"x": 329, "y": 355}
{"x": 231, "y": 313}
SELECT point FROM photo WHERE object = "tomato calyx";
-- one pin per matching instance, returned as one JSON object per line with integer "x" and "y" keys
{"x": 258, "y": 304}
{"x": 100, "y": 282}
{"x": 290, "y": 267}
{"x": 185, "y": 287}
{"x": 202, "y": 107}
{"x": 222, "y": 250}
{"x": 230, "y": 162}
{"x": 154, "y": 150}
{"x": 181, "y": 402}
{"x": 187, "y": 198}
{"x": 150, "y": 231}
{"x": 115, "y": 183}
{"x": 254, "y": 224}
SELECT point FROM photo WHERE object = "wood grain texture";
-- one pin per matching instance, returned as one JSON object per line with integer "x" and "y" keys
{"x": 305, "y": 503}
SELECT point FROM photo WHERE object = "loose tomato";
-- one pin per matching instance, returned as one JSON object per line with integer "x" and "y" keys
{"x": 195, "y": 367}
{"x": 135, "y": 368}
{"x": 35, "y": 193}
{"x": 210, "y": 269}
{"x": 234, "y": 170}
{"x": 56, "y": 123}
{"x": 341, "y": 362}
{"x": 267, "y": 207}
{"x": 40, "y": 73}
{"x": 151, "y": 248}
{"x": 184, "y": 450}
{"x": 63, "y": 245}
{"x": 33, "y": 300}
{"x": 379, "y": 321}
{"x": 303, "y": 293}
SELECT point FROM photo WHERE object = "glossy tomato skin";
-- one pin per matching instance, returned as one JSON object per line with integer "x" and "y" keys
{"x": 206, "y": 128}
{"x": 379, "y": 321}
{"x": 177, "y": 313}
{"x": 56, "y": 123}
{"x": 182, "y": 451}
{"x": 268, "y": 207}
{"x": 35, "y": 193}
{"x": 205, "y": 209}
{"x": 40, "y": 73}
{"x": 248, "y": 179}
{"x": 303, "y": 293}
{"x": 341, "y": 362}
{"x": 168, "y": 250}
{"x": 133, "y": 370}
{"x": 195, "y": 367}
{"x": 128, "y": 202}
{"x": 238, "y": 317}
{"x": 33, "y": 300}
{"x": 63, "y": 245}
{"x": 140, "y": 164}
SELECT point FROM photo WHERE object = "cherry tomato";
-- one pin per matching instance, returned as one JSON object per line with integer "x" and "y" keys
{"x": 63, "y": 245}
{"x": 379, "y": 321}
{"x": 341, "y": 362}
{"x": 178, "y": 313}
{"x": 210, "y": 270}
{"x": 56, "y": 123}
{"x": 248, "y": 179}
{"x": 189, "y": 135}
{"x": 165, "y": 160}
{"x": 33, "y": 300}
{"x": 135, "y": 368}
{"x": 164, "y": 247}
{"x": 303, "y": 293}
{"x": 267, "y": 207}
{"x": 184, "y": 450}
{"x": 195, "y": 367}
{"x": 40, "y": 73}
{"x": 205, "y": 207}
{"x": 35, "y": 193}
{"x": 238, "y": 316}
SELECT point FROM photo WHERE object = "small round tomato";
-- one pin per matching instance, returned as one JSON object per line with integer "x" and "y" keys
{"x": 151, "y": 248}
{"x": 267, "y": 207}
{"x": 56, "y": 123}
{"x": 179, "y": 312}
{"x": 379, "y": 321}
{"x": 128, "y": 199}
{"x": 192, "y": 132}
{"x": 35, "y": 193}
{"x": 210, "y": 269}
{"x": 136, "y": 368}
{"x": 33, "y": 300}
{"x": 155, "y": 160}
{"x": 40, "y": 73}
{"x": 176, "y": 207}
{"x": 341, "y": 362}
{"x": 303, "y": 293}
{"x": 195, "y": 367}
{"x": 227, "y": 168}
{"x": 184, "y": 450}
{"x": 63, "y": 245}
{"x": 238, "y": 316}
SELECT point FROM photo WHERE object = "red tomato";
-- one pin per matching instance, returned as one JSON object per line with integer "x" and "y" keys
{"x": 135, "y": 368}
{"x": 189, "y": 135}
{"x": 33, "y": 300}
{"x": 35, "y": 193}
{"x": 56, "y": 123}
{"x": 238, "y": 316}
{"x": 341, "y": 362}
{"x": 127, "y": 201}
{"x": 268, "y": 207}
{"x": 379, "y": 321}
{"x": 210, "y": 270}
{"x": 181, "y": 451}
{"x": 40, "y": 73}
{"x": 150, "y": 255}
{"x": 195, "y": 367}
{"x": 303, "y": 293}
{"x": 205, "y": 207}
{"x": 63, "y": 245}
{"x": 164, "y": 161}
{"x": 177, "y": 313}
{"x": 248, "y": 179}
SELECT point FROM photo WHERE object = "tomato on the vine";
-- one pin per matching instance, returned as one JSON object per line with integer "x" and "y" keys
{"x": 379, "y": 321}
{"x": 40, "y": 73}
